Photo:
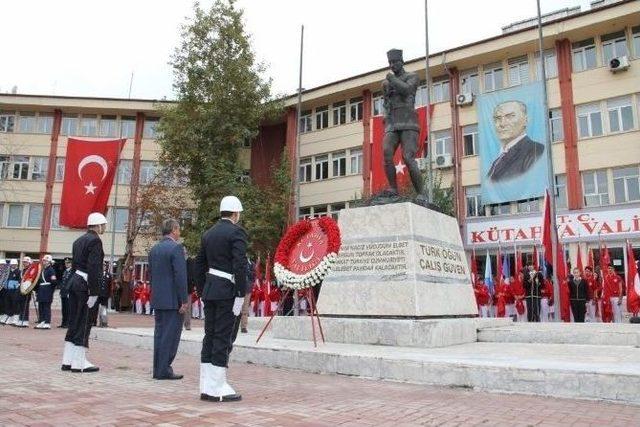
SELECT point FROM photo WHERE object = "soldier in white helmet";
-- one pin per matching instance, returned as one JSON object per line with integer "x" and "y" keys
{"x": 84, "y": 287}
{"x": 221, "y": 278}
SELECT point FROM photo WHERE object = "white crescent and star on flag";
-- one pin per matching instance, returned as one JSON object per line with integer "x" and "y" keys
{"x": 400, "y": 167}
{"x": 100, "y": 161}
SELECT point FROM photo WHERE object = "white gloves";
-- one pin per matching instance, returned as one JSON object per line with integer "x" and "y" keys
{"x": 92, "y": 301}
{"x": 237, "y": 306}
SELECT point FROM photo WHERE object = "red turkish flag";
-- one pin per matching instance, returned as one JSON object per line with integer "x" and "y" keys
{"x": 579, "y": 264}
{"x": 378, "y": 177}
{"x": 546, "y": 229}
{"x": 89, "y": 171}
{"x": 633, "y": 282}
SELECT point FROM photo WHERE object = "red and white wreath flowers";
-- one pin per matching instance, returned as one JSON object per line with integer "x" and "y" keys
{"x": 292, "y": 280}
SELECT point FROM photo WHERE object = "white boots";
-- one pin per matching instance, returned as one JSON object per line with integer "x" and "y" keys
{"x": 79, "y": 362}
{"x": 3, "y": 318}
{"x": 42, "y": 325}
{"x": 214, "y": 386}
{"x": 67, "y": 356}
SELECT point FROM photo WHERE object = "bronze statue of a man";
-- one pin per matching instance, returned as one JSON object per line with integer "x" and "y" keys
{"x": 400, "y": 120}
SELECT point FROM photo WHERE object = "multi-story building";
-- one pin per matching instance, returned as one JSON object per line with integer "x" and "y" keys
{"x": 594, "y": 127}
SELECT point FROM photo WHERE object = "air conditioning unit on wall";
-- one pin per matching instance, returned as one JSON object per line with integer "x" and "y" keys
{"x": 464, "y": 99}
{"x": 621, "y": 63}
{"x": 443, "y": 161}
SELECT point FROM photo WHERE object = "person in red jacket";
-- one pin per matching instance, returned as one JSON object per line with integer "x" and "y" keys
{"x": 594, "y": 294}
{"x": 137, "y": 297}
{"x": 613, "y": 284}
{"x": 517, "y": 289}
{"x": 482, "y": 297}
{"x": 502, "y": 294}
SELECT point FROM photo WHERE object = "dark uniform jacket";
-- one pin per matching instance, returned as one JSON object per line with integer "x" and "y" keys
{"x": 578, "y": 290}
{"x": 14, "y": 279}
{"x": 517, "y": 161}
{"x": 46, "y": 284}
{"x": 533, "y": 285}
{"x": 223, "y": 247}
{"x": 64, "y": 285}
{"x": 88, "y": 257}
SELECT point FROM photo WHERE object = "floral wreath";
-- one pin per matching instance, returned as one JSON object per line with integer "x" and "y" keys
{"x": 292, "y": 280}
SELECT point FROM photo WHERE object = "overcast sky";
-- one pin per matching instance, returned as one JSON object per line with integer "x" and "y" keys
{"x": 90, "y": 48}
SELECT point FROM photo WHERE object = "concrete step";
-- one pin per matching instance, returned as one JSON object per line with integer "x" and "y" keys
{"x": 562, "y": 370}
{"x": 604, "y": 334}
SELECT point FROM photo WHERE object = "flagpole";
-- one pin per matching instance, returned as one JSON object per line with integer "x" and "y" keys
{"x": 296, "y": 173}
{"x": 428, "y": 105}
{"x": 550, "y": 173}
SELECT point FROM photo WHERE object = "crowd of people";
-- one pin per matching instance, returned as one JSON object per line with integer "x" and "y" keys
{"x": 586, "y": 295}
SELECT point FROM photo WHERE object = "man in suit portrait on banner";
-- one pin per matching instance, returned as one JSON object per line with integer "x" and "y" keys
{"x": 518, "y": 152}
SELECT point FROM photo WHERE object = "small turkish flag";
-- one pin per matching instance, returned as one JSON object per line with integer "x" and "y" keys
{"x": 89, "y": 171}
{"x": 378, "y": 177}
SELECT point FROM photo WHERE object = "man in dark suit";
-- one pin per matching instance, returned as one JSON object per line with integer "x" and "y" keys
{"x": 519, "y": 152}
{"x": 168, "y": 275}
{"x": 221, "y": 267}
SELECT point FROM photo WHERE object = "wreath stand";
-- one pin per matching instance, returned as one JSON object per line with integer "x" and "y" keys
{"x": 314, "y": 314}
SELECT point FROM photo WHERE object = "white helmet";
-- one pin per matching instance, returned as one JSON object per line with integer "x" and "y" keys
{"x": 27, "y": 259}
{"x": 96, "y": 218}
{"x": 47, "y": 258}
{"x": 230, "y": 204}
{"x": 13, "y": 261}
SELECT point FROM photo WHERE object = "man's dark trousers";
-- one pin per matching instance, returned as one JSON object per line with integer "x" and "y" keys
{"x": 219, "y": 322}
{"x": 166, "y": 339}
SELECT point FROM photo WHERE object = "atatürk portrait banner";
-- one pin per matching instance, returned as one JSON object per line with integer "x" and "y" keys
{"x": 512, "y": 144}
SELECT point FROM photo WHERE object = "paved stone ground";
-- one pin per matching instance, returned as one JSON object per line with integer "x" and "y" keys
{"x": 34, "y": 392}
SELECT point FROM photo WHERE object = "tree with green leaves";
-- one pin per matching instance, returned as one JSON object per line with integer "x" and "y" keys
{"x": 222, "y": 97}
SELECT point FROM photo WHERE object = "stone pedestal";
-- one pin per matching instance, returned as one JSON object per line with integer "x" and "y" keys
{"x": 398, "y": 260}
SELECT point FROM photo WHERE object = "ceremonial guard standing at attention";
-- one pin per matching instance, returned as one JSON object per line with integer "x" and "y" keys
{"x": 221, "y": 267}
{"x": 64, "y": 293}
{"x": 25, "y": 300}
{"x": 44, "y": 291}
{"x": 104, "y": 296}
{"x": 84, "y": 287}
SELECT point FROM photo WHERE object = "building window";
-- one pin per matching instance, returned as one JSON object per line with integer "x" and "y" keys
{"x": 378, "y": 104}
{"x": 493, "y": 77}
{"x": 596, "y": 192}
{"x": 147, "y": 172}
{"x": 322, "y": 167}
{"x": 589, "y": 120}
{"x": 27, "y": 122}
{"x": 556, "y": 133}
{"x": 620, "y": 114}
{"x": 124, "y": 172}
{"x": 55, "y": 217}
{"x": 60, "y": 168}
{"x": 305, "y": 122}
{"x": 150, "y": 128}
{"x": 339, "y": 113}
{"x": 440, "y": 90}
{"x": 561, "y": 191}
{"x": 305, "y": 169}
{"x": 335, "y": 209}
{"x": 108, "y": 126}
{"x": 550, "y": 63}
{"x": 35, "y": 216}
{"x": 470, "y": 82}
{"x": 526, "y": 206}
{"x": 501, "y": 209}
{"x": 355, "y": 161}
{"x": 584, "y": 55}
{"x": 421, "y": 95}
{"x": 319, "y": 211}
{"x": 304, "y": 213}
{"x": 322, "y": 117}
{"x": 474, "y": 202}
{"x": 443, "y": 142}
{"x": 7, "y": 121}
{"x": 626, "y": 184}
{"x": 470, "y": 137}
{"x": 69, "y": 125}
{"x": 89, "y": 125}
{"x": 339, "y": 163}
{"x": 128, "y": 126}
{"x": 44, "y": 123}
{"x": 20, "y": 167}
{"x": 122, "y": 217}
{"x": 5, "y": 167}
{"x": 518, "y": 71}
{"x": 355, "y": 109}
{"x": 613, "y": 45}
{"x": 636, "y": 41}
{"x": 40, "y": 168}
{"x": 16, "y": 214}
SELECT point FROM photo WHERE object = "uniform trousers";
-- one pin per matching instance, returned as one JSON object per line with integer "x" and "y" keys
{"x": 64, "y": 302}
{"x": 81, "y": 317}
{"x": 617, "y": 310}
{"x": 591, "y": 311}
{"x": 13, "y": 300}
{"x": 578, "y": 309}
{"x": 219, "y": 323}
{"x": 544, "y": 309}
{"x": 533, "y": 309}
{"x": 25, "y": 300}
{"x": 166, "y": 338}
{"x": 3, "y": 301}
{"x": 44, "y": 311}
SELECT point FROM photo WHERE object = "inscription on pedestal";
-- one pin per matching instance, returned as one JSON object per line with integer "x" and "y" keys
{"x": 441, "y": 260}
{"x": 375, "y": 257}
